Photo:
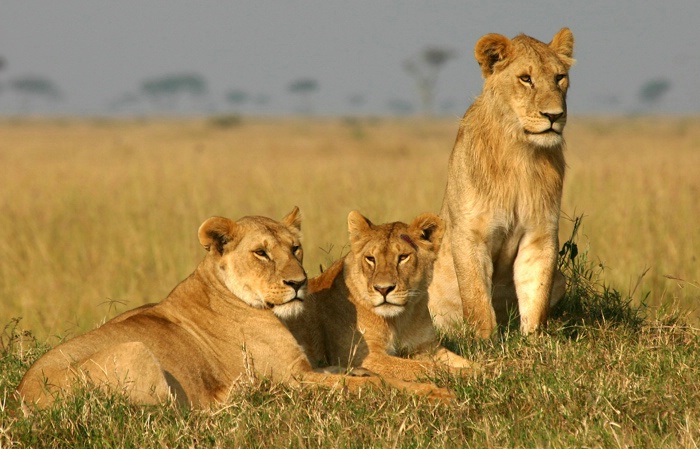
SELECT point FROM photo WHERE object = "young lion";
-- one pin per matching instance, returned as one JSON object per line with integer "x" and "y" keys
{"x": 372, "y": 305}
{"x": 216, "y": 326}
{"x": 504, "y": 187}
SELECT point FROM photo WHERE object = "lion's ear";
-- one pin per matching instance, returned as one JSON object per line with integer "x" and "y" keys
{"x": 490, "y": 50}
{"x": 357, "y": 224}
{"x": 293, "y": 219}
{"x": 430, "y": 229}
{"x": 563, "y": 45}
{"x": 215, "y": 232}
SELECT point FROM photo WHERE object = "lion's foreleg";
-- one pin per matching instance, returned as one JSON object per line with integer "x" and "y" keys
{"x": 356, "y": 384}
{"x": 533, "y": 273}
{"x": 474, "y": 270}
{"x": 398, "y": 367}
{"x": 456, "y": 362}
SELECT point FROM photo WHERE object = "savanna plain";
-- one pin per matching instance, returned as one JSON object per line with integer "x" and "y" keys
{"x": 100, "y": 216}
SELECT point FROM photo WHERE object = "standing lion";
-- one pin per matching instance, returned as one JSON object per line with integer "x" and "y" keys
{"x": 504, "y": 188}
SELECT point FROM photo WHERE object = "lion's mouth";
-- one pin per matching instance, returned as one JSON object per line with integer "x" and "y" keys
{"x": 270, "y": 305}
{"x": 389, "y": 303}
{"x": 540, "y": 133}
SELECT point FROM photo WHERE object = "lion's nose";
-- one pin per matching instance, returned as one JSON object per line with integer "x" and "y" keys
{"x": 384, "y": 290}
{"x": 295, "y": 284}
{"x": 552, "y": 116}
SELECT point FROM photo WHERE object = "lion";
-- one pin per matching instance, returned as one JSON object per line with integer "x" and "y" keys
{"x": 504, "y": 187}
{"x": 371, "y": 306}
{"x": 218, "y": 327}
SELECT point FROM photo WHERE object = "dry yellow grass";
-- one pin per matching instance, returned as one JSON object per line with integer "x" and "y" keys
{"x": 637, "y": 183}
{"x": 101, "y": 216}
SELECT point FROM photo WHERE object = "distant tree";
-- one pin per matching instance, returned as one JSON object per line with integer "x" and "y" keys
{"x": 304, "y": 87}
{"x": 237, "y": 97}
{"x": 165, "y": 91}
{"x": 2, "y": 66}
{"x": 399, "y": 106}
{"x": 261, "y": 99}
{"x": 31, "y": 86}
{"x": 651, "y": 92}
{"x": 356, "y": 101}
{"x": 126, "y": 102}
{"x": 34, "y": 85}
{"x": 424, "y": 68}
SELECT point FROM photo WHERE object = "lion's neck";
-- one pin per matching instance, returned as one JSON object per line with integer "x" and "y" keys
{"x": 203, "y": 290}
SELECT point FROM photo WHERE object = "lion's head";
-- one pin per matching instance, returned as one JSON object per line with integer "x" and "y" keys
{"x": 531, "y": 78}
{"x": 259, "y": 260}
{"x": 391, "y": 264}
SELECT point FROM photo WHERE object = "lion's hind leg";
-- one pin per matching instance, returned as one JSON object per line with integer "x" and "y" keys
{"x": 558, "y": 288}
{"x": 130, "y": 368}
{"x": 533, "y": 273}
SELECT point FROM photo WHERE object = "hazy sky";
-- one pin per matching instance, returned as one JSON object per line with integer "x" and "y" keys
{"x": 97, "y": 51}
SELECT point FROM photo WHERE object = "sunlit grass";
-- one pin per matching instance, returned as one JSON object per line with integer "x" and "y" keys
{"x": 594, "y": 379}
{"x": 99, "y": 217}
{"x": 637, "y": 182}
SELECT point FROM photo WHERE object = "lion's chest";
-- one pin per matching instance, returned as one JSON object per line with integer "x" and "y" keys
{"x": 406, "y": 335}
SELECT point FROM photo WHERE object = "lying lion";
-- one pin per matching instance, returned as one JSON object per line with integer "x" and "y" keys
{"x": 371, "y": 306}
{"x": 504, "y": 188}
{"x": 217, "y": 325}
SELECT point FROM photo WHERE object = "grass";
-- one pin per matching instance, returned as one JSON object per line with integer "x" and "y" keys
{"x": 99, "y": 217}
{"x": 637, "y": 181}
{"x": 596, "y": 377}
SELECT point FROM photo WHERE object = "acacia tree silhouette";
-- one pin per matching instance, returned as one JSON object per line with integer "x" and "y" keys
{"x": 424, "y": 68}
{"x": 651, "y": 92}
{"x": 31, "y": 86}
{"x": 165, "y": 91}
{"x": 237, "y": 98}
{"x": 304, "y": 87}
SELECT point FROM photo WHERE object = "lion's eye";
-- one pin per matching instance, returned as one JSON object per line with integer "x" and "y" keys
{"x": 403, "y": 257}
{"x": 525, "y": 79}
{"x": 560, "y": 77}
{"x": 369, "y": 260}
{"x": 261, "y": 253}
{"x": 295, "y": 249}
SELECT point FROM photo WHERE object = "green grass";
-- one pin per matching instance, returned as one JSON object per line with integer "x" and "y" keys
{"x": 603, "y": 374}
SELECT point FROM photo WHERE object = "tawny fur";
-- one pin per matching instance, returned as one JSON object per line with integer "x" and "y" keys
{"x": 504, "y": 187}
{"x": 217, "y": 327}
{"x": 372, "y": 305}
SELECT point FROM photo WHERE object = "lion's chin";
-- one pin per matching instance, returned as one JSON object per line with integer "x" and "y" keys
{"x": 388, "y": 310}
{"x": 546, "y": 139}
{"x": 290, "y": 309}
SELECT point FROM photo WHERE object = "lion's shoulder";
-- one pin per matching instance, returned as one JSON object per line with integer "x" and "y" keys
{"x": 326, "y": 279}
